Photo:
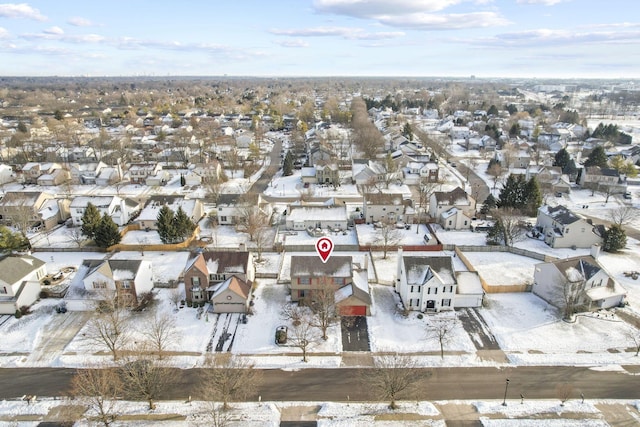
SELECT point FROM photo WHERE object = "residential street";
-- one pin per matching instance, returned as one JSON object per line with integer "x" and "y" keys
{"x": 347, "y": 384}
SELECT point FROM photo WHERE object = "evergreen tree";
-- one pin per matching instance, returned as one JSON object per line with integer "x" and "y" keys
{"x": 615, "y": 239}
{"x": 495, "y": 235}
{"x": 183, "y": 180}
{"x": 514, "y": 130}
{"x": 407, "y": 132}
{"x": 512, "y": 109}
{"x": 166, "y": 225}
{"x": 90, "y": 220}
{"x": 489, "y": 203}
{"x": 182, "y": 225}
{"x": 12, "y": 241}
{"x": 512, "y": 194}
{"x": 287, "y": 166}
{"x": 562, "y": 159}
{"x": 107, "y": 233}
{"x": 571, "y": 168}
{"x": 492, "y": 111}
{"x": 597, "y": 157}
{"x": 533, "y": 197}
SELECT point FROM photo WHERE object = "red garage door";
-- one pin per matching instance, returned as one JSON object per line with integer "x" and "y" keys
{"x": 353, "y": 310}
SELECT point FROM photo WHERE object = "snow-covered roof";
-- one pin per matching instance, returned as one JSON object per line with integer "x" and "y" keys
{"x": 468, "y": 283}
{"x": 303, "y": 213}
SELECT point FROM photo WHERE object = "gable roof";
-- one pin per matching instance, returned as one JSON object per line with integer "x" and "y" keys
{"x": 234, "y": 284}
{"x": 310, "y": 265}
{"x": 219, "y": 262}
{"x": 578, "y": 268}
{"x": 420, "y": 270}
{"x": 117, "y": 269}
{"x": 560, "y": 214}
{"x": 14, "y": 268}
{"x": 453, "y": 197}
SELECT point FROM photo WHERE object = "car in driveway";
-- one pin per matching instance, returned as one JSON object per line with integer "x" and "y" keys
{"x": 281, "y": 335}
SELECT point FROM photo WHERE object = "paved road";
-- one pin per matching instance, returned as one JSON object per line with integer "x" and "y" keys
{"x": 337, "y": 384}
{"x": 261, "y": 184}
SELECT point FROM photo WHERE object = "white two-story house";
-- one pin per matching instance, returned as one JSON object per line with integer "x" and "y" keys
{"x": 564, "y": 229}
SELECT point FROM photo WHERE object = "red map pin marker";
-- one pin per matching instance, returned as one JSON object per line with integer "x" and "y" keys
{"x": 324, "y": 247}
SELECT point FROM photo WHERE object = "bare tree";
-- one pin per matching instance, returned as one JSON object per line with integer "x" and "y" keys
{"x": 109, "y": 328}
{"x": 227, "y": 378}
{"x": 251, "y": 219}
{"x": 262, "y": 237}
{"x": 509, "y": 222}
{"x": 175, "y": 296}
{"x": 495, "y": 172}
{"x": 392, "y": 376}
{"x": 623, "y": 215}
{"x": 564, "y": 392}
{"x": 160, "y": 333}
{"x": 568, "y": 296}
{"x": 145, "y": 379}
{"x": 442, "y": 331}
{"x": 233, "y": 160}
{"x": 425, "y": 189}
{"x": 634, "y": 336}
{"x": 388, "y": 236}
{"x": 302, "y": 330}
{"x": 99, "y": 390}
{"x": 76, "y": 236}
{"x": 324, "y": 308}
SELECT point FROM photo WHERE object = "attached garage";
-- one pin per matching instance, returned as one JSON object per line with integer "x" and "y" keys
{"x": 353, "y": 301}
{"x": 353, "y": 310}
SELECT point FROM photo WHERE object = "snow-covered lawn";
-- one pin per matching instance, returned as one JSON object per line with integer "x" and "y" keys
{"x": 531, "y": 332}
{"x": 513, "y": 269}
{"x": 390, "y": 331}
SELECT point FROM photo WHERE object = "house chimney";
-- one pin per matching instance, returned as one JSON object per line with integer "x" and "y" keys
{"x": 595, "y": 251}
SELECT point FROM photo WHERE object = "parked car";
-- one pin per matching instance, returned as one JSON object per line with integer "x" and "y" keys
{"x": 627, "y": 195}
{"x": 281, "y": 335}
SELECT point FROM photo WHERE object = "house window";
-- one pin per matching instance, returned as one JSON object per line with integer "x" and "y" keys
{"x": 126, "y": 285}
{"x": 302, "y": 294}
{"x": 444, "y": 289}
{"x": 419, "y": 288}
{"x": 450, "y": 288}
{"x": 411, "y": 290}
{"x": 428, "y": 291}
{"x": 195, "y": 282}
{"x": 446, "y": 303}
{"x": 304, "y": 281}
{"x": 435, "y": 291}
{"x": 410, "y": 303}
{"x": 3, "y": 290}
{"x": 99, "y": 285}
{"x": 223, "y": 219}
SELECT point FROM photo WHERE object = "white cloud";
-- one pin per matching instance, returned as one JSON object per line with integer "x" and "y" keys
{"x": 417, "y": 14}
{"x": 543, "y": 2}
{"x": 370, "y": 8}
{"x": 293, "y": 43}
{"x": 343, "y": 32}
{"x": 425, "y": 21}
{"x": 78, "y": 21}
{"x": 54, "y": 30}
{"x": 4, "y": 34}
{"x": 547, "y": 37}
{"x": 21, "y": 10}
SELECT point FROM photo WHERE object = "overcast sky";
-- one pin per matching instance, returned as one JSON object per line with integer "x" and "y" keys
{"x": 485, "y": 38}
